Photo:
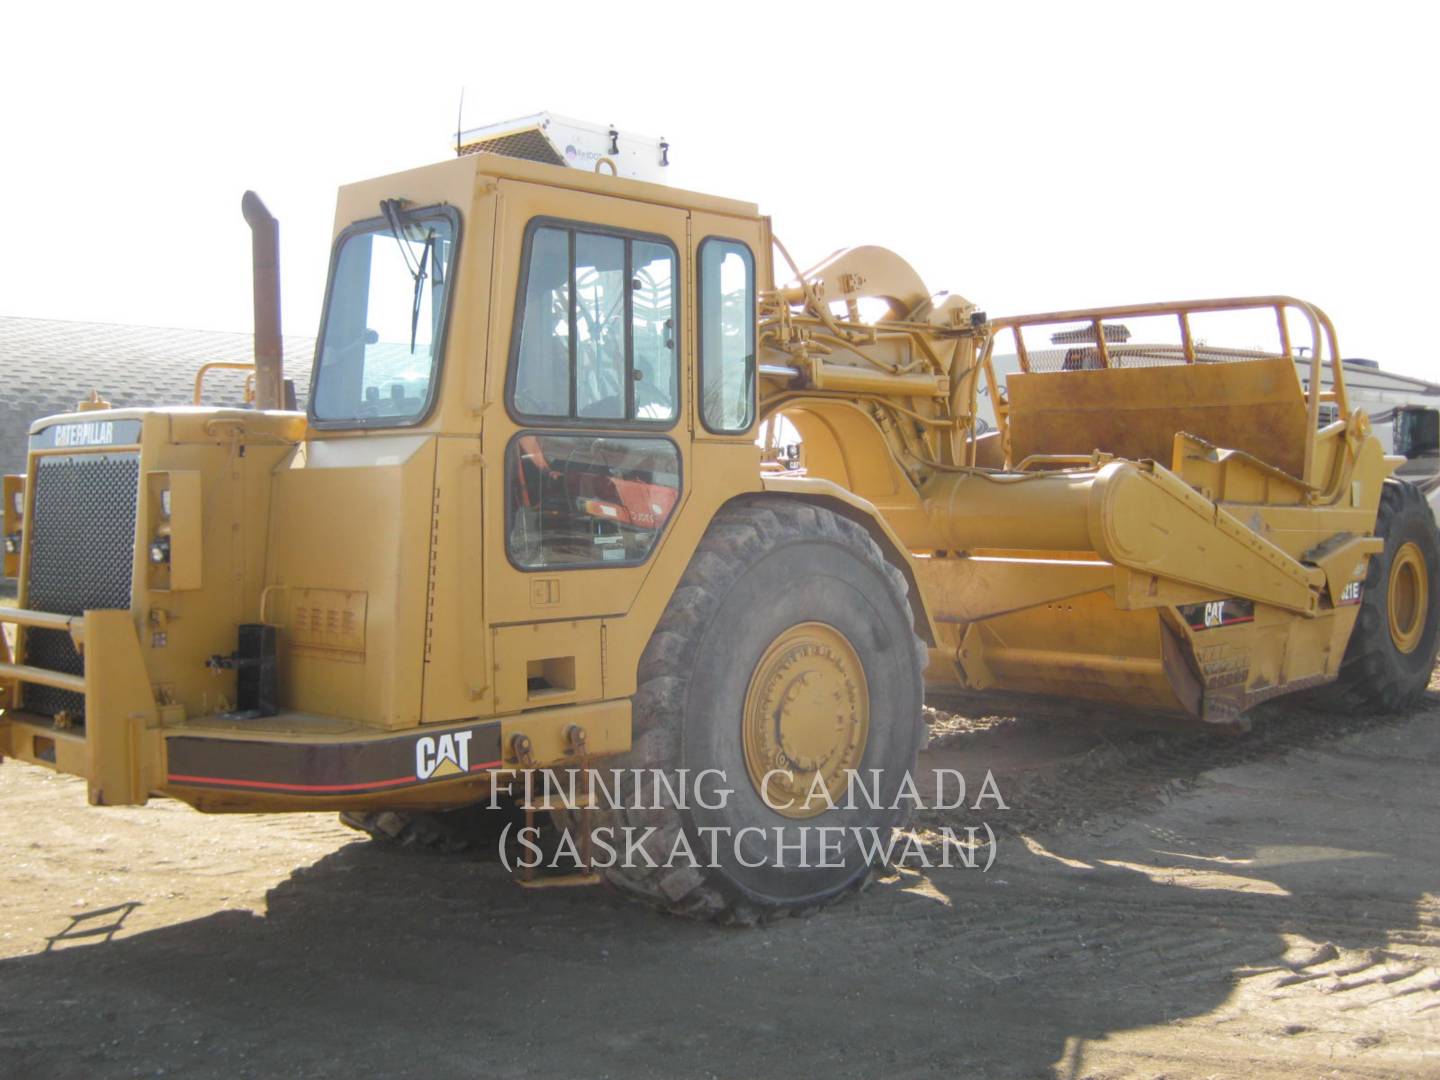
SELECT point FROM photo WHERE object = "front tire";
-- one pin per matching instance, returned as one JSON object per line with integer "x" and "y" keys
{"x": 1392, "y": 650}
{"x": 475, "y": 828}
{"x": 788, "y": 648}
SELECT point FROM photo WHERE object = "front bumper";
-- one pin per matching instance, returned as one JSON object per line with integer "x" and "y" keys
{"x": 130, "y": 748}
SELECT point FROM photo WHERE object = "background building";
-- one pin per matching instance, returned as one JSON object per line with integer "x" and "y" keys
{"x": 48, "y": 365}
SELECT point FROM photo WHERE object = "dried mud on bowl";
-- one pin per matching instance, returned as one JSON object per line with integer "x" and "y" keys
{"x": 1159, "y": 903}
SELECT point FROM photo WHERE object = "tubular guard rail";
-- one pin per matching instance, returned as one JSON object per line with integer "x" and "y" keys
{"x": 1323, "y": 346}
{"x": 225, "y": 365}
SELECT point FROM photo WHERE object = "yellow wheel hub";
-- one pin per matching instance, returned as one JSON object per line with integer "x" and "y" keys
{"x": 1408, "y": 597}
{"x": 807, "y": 716}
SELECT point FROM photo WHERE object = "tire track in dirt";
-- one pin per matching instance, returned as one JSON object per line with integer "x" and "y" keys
{"x": 1120, "y": 771}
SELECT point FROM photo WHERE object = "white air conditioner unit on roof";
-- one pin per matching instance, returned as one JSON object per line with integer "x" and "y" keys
{"x": 558, "y": 140}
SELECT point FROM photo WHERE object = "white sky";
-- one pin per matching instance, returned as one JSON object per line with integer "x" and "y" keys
{"x": 1029, "y": 156}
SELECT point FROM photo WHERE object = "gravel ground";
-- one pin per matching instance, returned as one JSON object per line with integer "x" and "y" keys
{"x": 1170, "y": 904}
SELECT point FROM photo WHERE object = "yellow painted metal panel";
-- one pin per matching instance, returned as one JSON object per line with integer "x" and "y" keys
{"x": 183, "y": 527}
{"x": 328, "y": 623}
{"x": 1256, "y": 406}
{"x": 458, "y": 673}
{"x": 544, "y": 664}
{"x": 121, "y": 719}
{"x": 354, "y": 517}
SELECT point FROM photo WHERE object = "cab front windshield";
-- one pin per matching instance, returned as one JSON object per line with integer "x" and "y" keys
{"x": 384, "y": 320}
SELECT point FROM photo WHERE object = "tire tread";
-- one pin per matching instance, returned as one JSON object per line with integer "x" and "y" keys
{"x": 1372, "y": 674}
{"x": 742, "y": 532}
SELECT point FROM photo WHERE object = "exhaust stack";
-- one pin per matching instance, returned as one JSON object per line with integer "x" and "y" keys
{"x": 265, "y": 256}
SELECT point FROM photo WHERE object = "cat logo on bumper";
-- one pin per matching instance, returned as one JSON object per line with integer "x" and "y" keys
{"x": 442, "y": 755}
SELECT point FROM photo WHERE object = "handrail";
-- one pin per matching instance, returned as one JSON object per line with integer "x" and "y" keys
{"x": 59, "y": 680}
{"x": 1322, "y": 340}
{"x": 74, "y": 625}
{"x": 225, "y": 365}
{"x": 40, "y": 620}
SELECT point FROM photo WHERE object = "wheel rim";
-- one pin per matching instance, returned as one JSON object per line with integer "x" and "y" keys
{"x": 1408, "y": 597}
{"x": 807, "y": 713}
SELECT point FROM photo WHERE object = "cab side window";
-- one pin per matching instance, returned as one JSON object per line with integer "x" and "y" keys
{"x": 727, "y": 335}
{"x": 584, "y": 498}
{"x": 595, "y": 339}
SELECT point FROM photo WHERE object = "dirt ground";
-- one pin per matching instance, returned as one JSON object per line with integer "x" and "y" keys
{"x": 1174, "y": 905}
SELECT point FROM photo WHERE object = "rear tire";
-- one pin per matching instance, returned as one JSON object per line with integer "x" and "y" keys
{"x": 790, "y": 643}
{"x": 1392, "y": 651}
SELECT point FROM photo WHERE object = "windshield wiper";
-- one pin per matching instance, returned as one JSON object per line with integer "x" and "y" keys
{"x": 391, "y": 209}
{"x": 420, "y": 289}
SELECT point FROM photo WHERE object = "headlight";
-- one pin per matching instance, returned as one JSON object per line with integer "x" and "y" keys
{"x": 17, "y": 502}
{"x": 12, "y": 544}
{"x": 160, "y": 549}
{"x": 165, "y": 502}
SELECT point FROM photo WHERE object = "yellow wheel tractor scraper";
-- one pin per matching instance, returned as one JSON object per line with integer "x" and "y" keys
{"x": 579, "y": 484}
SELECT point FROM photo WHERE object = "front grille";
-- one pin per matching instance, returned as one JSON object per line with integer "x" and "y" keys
{"x": 82, "y": 554}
